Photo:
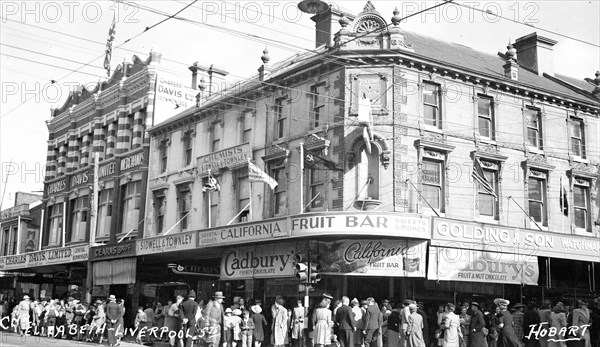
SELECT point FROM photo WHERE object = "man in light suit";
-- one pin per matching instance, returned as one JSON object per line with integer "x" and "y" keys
{"x": 414, "y": 329}
{"x": 373, "y": 320}
{"x": 581, "y": 318}
{"x": 188, "y": 322}
{"x": 344, "y": 318}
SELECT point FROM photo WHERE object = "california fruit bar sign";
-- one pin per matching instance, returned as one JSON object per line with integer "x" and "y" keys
{"x": 265, "y": 261}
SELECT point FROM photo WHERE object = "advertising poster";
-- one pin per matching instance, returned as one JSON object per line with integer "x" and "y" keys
{"x": 264, "y": 261}
{"x": 382, "y": 257}
{"x": 454, "y": 264}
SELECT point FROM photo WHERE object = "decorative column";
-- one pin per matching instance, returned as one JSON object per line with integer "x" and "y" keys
{"x": 138, "y": 129}
{"x": 99, "y": 139}
{"x": 123, "y": 132}
{"x": 51, "y": 161}
{"x": 111, "y": 140}
{"x": 73, "y": 151}
{"x": 85, "y": 150}
{"x": 62, "y": 160}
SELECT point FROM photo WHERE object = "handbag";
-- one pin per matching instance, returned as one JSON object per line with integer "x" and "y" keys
{"x": 485, "y": 331}
{"x": 439, "y": 334}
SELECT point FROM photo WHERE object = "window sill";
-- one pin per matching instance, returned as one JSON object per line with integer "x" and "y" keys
{"x": 487, "y": 220}
{"x": 583, "y": 232}
{"x": 535, "y": 150}
{"x": 280, "y": 141}
{"x": 431, "y": 128}
{"x": 73, "y": 243}
{"x": 534, "y": 227}
{"x": 487, "y": 140}
{"x": 428, "y": 212}
{"x": 580, "y": 159}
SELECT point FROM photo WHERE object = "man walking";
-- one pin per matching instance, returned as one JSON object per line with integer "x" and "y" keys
{"x": 213, "y": 320}
{"x": 414, "y": 330}
{"x": 23, "y": 315}
{"x": 344, "y": 318}
{"x": 188, "y": 318}
{"x": 476, "y": 336}
{"x": 373, "y": 321}
{"x": 113, "y": 312}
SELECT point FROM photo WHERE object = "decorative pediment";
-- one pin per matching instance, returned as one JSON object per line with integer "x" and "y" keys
{"x": 584, "y": 170}
{"x": 315, "y": 142}
{"x": 538, "y": 161}
{"x": 276, "y": 152}
{"x": 435, "y": 141}
{"x": 488, "y": 153}
{"x": 159, "y": 187}
{"x": 369, "y": 21}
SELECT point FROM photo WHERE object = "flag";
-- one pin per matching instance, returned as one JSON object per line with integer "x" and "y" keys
{"x": 255, "y": 174}
{"x": 111, "y": 37}
{"x": 211, "y": 185}
{"x": 365, "y": 119}
{"x": 479, "y": 176}
{"x": 316, "y": 162}
{"x": 564, "y": 200}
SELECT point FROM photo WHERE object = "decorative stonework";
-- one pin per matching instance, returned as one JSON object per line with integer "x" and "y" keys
{"x": 276, "y": 152}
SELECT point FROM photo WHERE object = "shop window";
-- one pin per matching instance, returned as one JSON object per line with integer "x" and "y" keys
{"x": 163, "y": 153}
{"x": 104, "y": 213}
{"x": 280, "y": 118}
{"x": 432, "y": 114}
{"x": 581, "y": 204}
{"x": 55, "y": 228}
{"x": 432, "y": 179}
{"x": 486, "y": 121}
{"x": 279, "y": 201}
{"x": 187, "y": 144}
{"x": 577, "y": 135}
{"x": 79, "y": 217}
{"x": 247, "y": 121}
{"x": 537, "y": 198}
{"x": 243, "y": 195}
{"x": 317, "y": 106}
{"x": 185, "y": 206}
{"x": 160, "y": 207}
{"x": 131, "y": 197}
{"x": 533, "y": 119}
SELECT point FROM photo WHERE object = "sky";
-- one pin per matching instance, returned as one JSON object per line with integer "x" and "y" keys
{"x": 64, "y": 42}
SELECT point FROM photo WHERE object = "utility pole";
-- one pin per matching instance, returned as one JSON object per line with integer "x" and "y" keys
{"x": 93, "y": 227}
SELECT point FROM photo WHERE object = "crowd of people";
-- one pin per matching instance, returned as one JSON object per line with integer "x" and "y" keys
{"x": 326, "y": 322}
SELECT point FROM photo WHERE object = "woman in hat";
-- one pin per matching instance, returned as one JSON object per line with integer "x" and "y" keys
{"x": 581, "y": 318}
{"x": 451, "y": 327}
{"x": 558, "y": 320}
{"x": 172, "y": 321}
{"x": 507, "y": 336}
{"x": 260, "y": 323}
{"x": 322, "y": 324}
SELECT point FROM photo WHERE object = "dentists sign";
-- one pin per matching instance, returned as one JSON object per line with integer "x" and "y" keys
{"x": 268, "y": 261}
{"x": 453, "y": 264}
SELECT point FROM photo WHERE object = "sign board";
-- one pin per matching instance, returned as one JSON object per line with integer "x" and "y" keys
{"x": 383, "y": 224}
{"x": 264, "y": 261}
{"x": 376, "y": 257}
{"x": 107, "y": 170}
{"x": 112, "y": 251}
{"x": 244, "y": 232}
{"x": 226, "y": 158}
{"x": 62, "y": 255}
{"x": 81, "y": 178}
{"x": 56, "y": 186}
{"x": 172, "y": 96}
{"x": 132, "y": 161}
{"x": 451, "y": 264}
{"x": 167, "y": 243}
{"x": 497, "y": 238}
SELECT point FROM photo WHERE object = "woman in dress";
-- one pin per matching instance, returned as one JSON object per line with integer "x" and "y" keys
{"x": 260, "y": 323}
{"x": 322, "y": 324}
{"x": 159, "y": 316}
{"x": 558, "y": 320}
{"x": 465, "y": 321}
{"x": 297, "y": 324}
{"x": 452, "y": 333}
{"x": 507, "y": 336}
{"x": 172, "y": 321}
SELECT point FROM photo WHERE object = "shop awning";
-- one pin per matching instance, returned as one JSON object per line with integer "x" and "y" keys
{"x": 456, "y": 264}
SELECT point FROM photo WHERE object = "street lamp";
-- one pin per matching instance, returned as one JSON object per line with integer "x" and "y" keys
{"x": 312, "y": 6}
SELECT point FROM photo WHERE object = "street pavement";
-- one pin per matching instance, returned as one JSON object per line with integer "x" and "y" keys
{"x": 14, "y": 340}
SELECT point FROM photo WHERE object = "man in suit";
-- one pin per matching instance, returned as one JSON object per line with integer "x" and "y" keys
{"x": 581, "y": 319}
{"x": 373, "y": 321}
{"x": 476, "y": 336}
{"x": 344, "y": 318}
{"x": 414, "y": 329}
{"x": 213, "y": 320}
{"x": 188, "y": 322}
{"x": 113, "y": 312}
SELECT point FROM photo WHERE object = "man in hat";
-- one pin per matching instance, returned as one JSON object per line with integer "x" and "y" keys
{"x": 581, "y": 319}
{"x": 188, "y": 322}
{"x": 213, "y": 320}
{"x": 373, "y": 320}
{"x": 518, "y": 321}
{"x": 113, "y": 312}
{"x": 421, "y": 311}
{"x": 414, "y": 329}
{"x": 344, "y": 318}
{"x": 507, "y": 333}
{"x": 476, "y": 336}
{"x": 23, "y": 315}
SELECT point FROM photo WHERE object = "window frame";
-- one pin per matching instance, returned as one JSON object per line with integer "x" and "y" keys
{"x": 494, "y": 168}
{"x": 242, "y": 184}
{"x": 183, "y": 214}
{"x": 543, "y": 201}
{"x": 104, "y": 216}
{"x": 585, "y": 185}
{"x": 128, "y": 198}
{"x": 6, "y": 242}
{"x": 437, "y": 122}
{"x": 280, "y": 118}
{"x": 163, "y": 156}
{"x": 582, "y": 145}
{"x": 246, "y": 126}
{"x": 441, "y": 185}
{"x": 491, "y": 118}
{"x": 316, "y": 105}
{"x": 539, "y": 143}
{"x": 159, "y": 200}
{"x": 79, "y": 215}
{"x": 187, "y": 144}
{"x": 278, "y": 170}
{"x": 55, "y": 224}
{"x": 215, "y": 137}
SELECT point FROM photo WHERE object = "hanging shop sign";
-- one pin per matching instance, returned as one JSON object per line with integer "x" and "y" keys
{"x": 226, "y": 158}
{"x": 264, "y": 261}
{"x": 244, "y": 232}
{"x": 62, "y": 255}
{"x": 496, "y": 238}
{"x": 383, "y": 224}
{"x": 119, "y": 250}
{"x": 167, "y": 243}
{"x": 453, "y": 264}
{"x": 194, "y": 270}
{"x": 378, "y": 257}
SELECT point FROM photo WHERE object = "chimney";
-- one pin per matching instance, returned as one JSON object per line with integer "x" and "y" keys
{"x": 326, "y": 20}
{"x": 194, "y": 69}
{"x": 535, "y": 53}
{"x": 155, "y": 55}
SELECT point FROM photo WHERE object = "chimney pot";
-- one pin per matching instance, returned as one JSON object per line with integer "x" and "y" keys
{"x": 535, "y": 53}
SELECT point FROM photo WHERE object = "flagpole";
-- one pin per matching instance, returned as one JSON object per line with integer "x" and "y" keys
{"x": 562, "y": 204}
{"x": 249, "y": 195}
{"x": 301, "y": 177}
{"x": 209, "y": 206}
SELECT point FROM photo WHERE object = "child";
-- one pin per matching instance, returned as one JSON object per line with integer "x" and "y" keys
{"x": 237, "y": 327}
{"x": 140, "y": 322}
{"x": 247, "y": 329}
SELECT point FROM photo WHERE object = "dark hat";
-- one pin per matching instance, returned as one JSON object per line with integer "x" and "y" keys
{"x": 406, "y": 302}
{"x": 518, "y": 305}
{"x": 192, "y": 294}
{"x": 475, "y": 303}
{"x": 363, "y": 302}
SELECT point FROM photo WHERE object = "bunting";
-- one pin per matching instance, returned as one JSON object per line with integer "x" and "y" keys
{"x": 111, "y": 37}
{"x": 211, "y": 185}
{"x": 317, "y": 162}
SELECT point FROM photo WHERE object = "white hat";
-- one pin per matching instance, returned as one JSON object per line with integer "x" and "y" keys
{"x": 256, "y": 309}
